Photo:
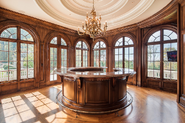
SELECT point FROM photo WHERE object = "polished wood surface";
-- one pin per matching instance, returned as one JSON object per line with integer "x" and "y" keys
{"x": 39, "y": 105}
{"x": 92, "y": 90}
{"x": 173, "y": 15}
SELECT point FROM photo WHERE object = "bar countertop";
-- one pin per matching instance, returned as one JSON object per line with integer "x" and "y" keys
{"x": 91, "y": 72}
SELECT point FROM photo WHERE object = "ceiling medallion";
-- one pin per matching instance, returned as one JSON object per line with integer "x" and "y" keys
{"x": 92, "y": 26}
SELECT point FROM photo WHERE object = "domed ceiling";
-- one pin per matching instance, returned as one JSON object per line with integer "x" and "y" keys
{"x": 71, "y": 13}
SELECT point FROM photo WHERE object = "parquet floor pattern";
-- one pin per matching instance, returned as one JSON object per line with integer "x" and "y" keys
{"x": 39, "y": 106}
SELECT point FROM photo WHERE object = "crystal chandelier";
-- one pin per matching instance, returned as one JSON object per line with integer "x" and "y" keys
{"x": 92, "y": 25}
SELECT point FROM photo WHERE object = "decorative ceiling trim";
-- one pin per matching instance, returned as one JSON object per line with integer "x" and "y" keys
{"x": 108, "y": 8}
{"x": 115, "y": 22}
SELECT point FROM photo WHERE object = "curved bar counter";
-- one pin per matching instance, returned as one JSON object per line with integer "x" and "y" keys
{"x": 92, "y": 90}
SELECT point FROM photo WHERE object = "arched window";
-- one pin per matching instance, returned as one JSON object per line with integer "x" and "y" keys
{"x": 124, "y": 53}
{"x": 159, "y": 43}
{"x": 16, "y": 46}
{"x": 58, "y": 55}
{"x": 100, "y": 54}
{"x": 81, "y": 54}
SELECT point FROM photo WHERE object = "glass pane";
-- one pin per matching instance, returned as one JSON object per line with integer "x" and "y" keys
{"x": 102, "y": 44}
{"x": 79, "y": 45}
{"x": 120, "y": 50}
{"x": 150, "y": 49}
{"x": 150, "y": 73}
{"x": 131, "y": 50}
{"x": 13, "y": 74}
{"x": 4, "y": 56}
{"x": 156, "y": 56}
{"x": 55, "y": 76}
{"x": 126, "y": 58}
{"x": 173, "y": 36}
{"x": 151, "y": 39}
{"x": 4, "y": 76}
{"x": 84, "y": 45}
{"x": 31, "y": 64}
{"x": 30, "y": 73}
{"x": 55, "y": 53}
{"x": 116, "y": 63}
{"x": 10, "y": 33}
{"x": 126, "y": 51}
{"x": 23, "y": 56}
{"x": 150, "y": 65}
{"x": 63, "y": 42}
{"x": 96, "y": 46}
{"x": 131, "y": 57}
{"x": 156, "y": 65}
{"x": 84, "y": 58}
{"x": 12, "y": 46}
{"x": 120, "y": 64}
{"x": 24, "y": 74}
{"x": 156, "y": 48}
{"x": 51, "y": 70}
{"x": 96, "y": 58}
{"x": 174, "y": 66}
{"x": 174, "y": 75}
{"x": 166, "y": 74}
{"x": 120, "y": 57}
{"x": 3, "y": 45}
{"x": 55, "y": 64}
{"x": 103, "y": 54}
{"x": 150, "y": 57}
{"x": 54, "y": 40}
{"x": 116, "y": 51}
{"x": 169, "y": 35}
{"x": 24, "y": 65}
{"x": 173, "y": 46}
{"x": 128, "y": 41}
{"x": 31, "y": 56}
{"x": 24, "y": 47}
{"x": 30, "y": 48}
{"x": 157, "y": 73}
{"x": 25, "y": 35}
{"x": 119, "y": 42}
{"x": 131, "y": 65}
{"x": 154, "y": 37}
{"x": 12, "y": 65}
{"x": 166, "y": 66}
{"x": 126, "y": 64}
{"x": 116, "y": 57}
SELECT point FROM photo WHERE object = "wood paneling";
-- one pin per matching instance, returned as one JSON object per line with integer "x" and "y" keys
{"x": 97, "y": 92}
{"x": 171, "y": 15}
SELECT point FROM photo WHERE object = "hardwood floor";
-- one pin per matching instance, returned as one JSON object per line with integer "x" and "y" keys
{"x": 149, "y": 106}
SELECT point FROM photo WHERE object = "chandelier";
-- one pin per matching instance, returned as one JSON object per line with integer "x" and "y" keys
{"x": 92, "y": 25}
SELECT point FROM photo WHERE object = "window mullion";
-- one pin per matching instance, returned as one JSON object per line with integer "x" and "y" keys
{"x": 27, "y": 61}
{"x": 18, "y": 57}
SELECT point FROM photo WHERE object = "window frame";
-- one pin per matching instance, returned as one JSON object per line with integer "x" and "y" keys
{"x": 82, "y": 49}
{"x": 19, "y": 42}
{"x": 161, "y": 43}
{"x": 99, "y": 49}
{"x": 123, "y": 52}
{"x": 59, "y": 47}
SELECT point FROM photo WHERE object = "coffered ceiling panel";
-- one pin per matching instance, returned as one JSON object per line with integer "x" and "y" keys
{"x": 71, "y": 13}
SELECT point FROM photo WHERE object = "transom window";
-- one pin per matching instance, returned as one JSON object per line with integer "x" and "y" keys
{"x": 100, "y": 54}
{"x": 15, "y": 60}
{"x": 124, "y": 53}
{"x": 58, "y": 54}
{"x": 81, "y": 54}
{"x": 159, "y": 43}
